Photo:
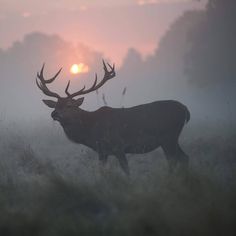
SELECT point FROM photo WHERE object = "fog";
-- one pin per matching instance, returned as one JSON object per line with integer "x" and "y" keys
{"x": 52, "y": 186}
{"x": 162, "y": 75}
{"x": 98, "y": 24}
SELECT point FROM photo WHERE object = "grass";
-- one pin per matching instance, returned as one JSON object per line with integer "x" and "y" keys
{"x": 56, "y": 188}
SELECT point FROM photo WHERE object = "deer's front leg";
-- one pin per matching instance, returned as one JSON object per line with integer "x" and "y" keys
{"x": 123, "y": 163}
{"x": 102, "y": 163}
{"x": 101, "y": 153}
{"x": 102, "y": 158}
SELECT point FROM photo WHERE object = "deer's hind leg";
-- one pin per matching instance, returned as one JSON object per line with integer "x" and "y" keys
{"x": 182, "y": 157}
{"x": 170, "y": 149}
{"x": 175, "y": 155}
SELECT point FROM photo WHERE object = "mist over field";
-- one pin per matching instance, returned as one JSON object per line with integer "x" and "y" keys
{"x": 52, "y": 186}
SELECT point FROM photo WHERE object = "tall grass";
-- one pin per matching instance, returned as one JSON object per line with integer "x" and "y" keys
{"x": 56, "y": 188}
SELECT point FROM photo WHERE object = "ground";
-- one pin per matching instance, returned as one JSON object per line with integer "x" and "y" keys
{"x": 50, "y": 186}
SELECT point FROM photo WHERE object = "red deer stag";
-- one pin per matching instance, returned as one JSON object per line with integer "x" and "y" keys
{"x": 118, "y": 131}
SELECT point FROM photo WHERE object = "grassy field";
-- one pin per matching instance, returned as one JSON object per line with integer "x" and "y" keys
{"x": 49, "y": 186}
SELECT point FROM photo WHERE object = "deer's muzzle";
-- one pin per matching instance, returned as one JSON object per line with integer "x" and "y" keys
{"x": 56, "y": 116}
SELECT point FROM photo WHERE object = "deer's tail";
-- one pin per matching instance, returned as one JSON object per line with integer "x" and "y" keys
{"x": 187, "y": 115}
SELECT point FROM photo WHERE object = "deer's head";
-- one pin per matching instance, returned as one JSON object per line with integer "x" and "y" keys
{"x": 65, "y": 105}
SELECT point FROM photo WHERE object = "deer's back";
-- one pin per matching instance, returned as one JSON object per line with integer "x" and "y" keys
{"x": 140, "y": 128}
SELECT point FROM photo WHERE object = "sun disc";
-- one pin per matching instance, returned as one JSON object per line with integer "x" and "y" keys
{"x": 79, "y": 68}
{"x": 74, "y": 69}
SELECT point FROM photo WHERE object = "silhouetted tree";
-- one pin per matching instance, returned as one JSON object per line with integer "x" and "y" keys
{"x": 168, "y": 60}
{"x": 213, "y": 54}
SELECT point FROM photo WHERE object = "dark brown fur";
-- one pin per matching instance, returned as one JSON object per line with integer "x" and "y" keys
{"x": 118, "y": 131}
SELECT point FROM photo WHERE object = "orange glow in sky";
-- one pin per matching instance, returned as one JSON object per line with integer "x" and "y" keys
{"x": 79, "y": 68}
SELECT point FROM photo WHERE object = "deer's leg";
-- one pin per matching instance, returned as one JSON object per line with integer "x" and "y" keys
{"x": 170, "y": 150}
{"x": 102, "y": 163}
{"x": 182, "y": 157}
{"x": 102, "y": 158}
{"x": 123, "y": 163}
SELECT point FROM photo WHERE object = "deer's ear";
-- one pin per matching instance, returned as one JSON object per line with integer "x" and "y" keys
{"x": 79, "y": 101}
{"x": 50, "y": 103}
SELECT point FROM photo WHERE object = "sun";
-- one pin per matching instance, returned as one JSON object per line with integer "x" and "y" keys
{"x": 79, "y": 68}
{"x": 74, "y": 69}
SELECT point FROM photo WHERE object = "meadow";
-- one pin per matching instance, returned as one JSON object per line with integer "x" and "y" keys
{"x": 50, "y": 186}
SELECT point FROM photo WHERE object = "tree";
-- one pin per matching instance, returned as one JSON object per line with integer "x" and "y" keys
{"x": 213, "y": 54}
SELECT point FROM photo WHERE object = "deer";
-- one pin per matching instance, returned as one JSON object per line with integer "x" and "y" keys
{"x": 118, "y": 131}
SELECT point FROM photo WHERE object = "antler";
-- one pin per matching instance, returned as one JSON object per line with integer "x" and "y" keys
{"x": 42, "y": 83}
{"x": 107, "y": 76}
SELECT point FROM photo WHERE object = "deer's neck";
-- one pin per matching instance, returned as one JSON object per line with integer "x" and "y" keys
{"x": 78, "y": 127}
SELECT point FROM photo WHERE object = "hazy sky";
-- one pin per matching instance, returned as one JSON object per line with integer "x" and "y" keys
{"x": 109, "y": 26}
{"x": 17, "y": 5}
